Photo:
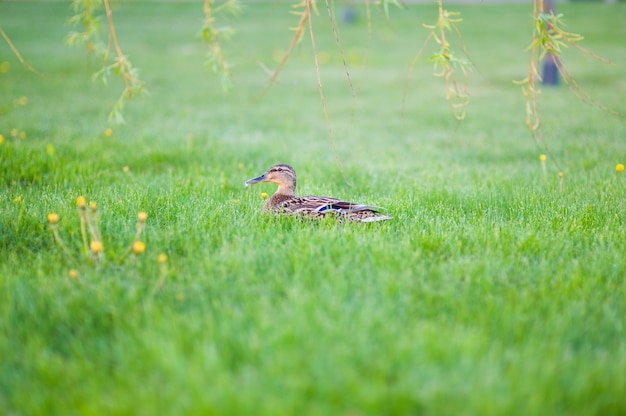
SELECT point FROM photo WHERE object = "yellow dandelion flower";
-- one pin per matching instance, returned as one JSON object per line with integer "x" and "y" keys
{"x": 1, "y": 139}
{"x": 353, "y": 57}
{"x": 162, "y": 258}
{"x": 323, "y": 58}
{"x": 23, "y": 100}
{"x": 263, "y": 195}
{"x": 142, "y": 217}
{"x": 72, "y": 274}
{"x": 14, "y": 132}
{"x": 619, "y": 167}
{"x": 17, "y": 200}
{"x": 22, "y": 135}
{"x": 139, "y": 247}
{"x": 95, "y": 246}
{"x": 542, "y": 158}
{"x": 126, "y": 169}
{"x": 81, "y": 202}
{"x": 108, "y": 132}
{"x": 278, "y": 55}
{"x": 240, "y": 165}
{"x": 93, "y": 206}
{"x": 53, "y": 218}
{"x": 560, "y": 174}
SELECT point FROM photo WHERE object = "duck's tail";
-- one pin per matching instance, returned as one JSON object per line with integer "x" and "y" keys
{"x": 374, "y": 218}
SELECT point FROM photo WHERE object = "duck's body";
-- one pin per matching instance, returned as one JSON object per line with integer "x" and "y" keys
{"x": 285, "y": 201}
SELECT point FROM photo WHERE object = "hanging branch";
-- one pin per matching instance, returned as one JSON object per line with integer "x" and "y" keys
{"x": 305, "y": 16}
{"x": 321, "y": 90}
{"x": 17, "y": 53}
{"x": 85, "y": 15}
{"x": 368, "y": 15}
{"x": 122, "y": 65}
{"x": 343, "y": 56}
{"x": 297, "y": 37}
{"x": 213, "y": 35}
{"x": 549, "y": 39}
{"x": 446, "y": 61}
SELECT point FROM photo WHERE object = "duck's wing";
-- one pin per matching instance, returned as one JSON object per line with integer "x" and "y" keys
{"x": 321, "y": 205}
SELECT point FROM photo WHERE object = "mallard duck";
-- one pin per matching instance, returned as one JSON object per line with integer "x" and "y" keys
{"x": 285, "y": 201}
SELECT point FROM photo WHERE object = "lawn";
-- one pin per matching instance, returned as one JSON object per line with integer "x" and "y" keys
{"x": 496, "y": 288}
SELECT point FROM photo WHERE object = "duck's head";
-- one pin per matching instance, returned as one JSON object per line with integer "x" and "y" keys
{"x": 282, "y": 174}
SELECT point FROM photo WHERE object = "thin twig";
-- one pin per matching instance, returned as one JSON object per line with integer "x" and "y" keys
{"x": 576, "y": 89}
{"x": 17, "y": 53}
{"x": 120, "y": 56}
{"x": 321, "y": 90}
{"x": 368, "y": 14}
{"x": 411, "y": 68}
{"x": 217, "y": 50}
{"x": 343, "y": 56}
{"x": 294, "y": 41}
{"x": 588, "y": 52}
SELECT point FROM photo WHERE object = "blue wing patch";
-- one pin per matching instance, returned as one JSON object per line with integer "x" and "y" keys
{"x": 329, "y": 207}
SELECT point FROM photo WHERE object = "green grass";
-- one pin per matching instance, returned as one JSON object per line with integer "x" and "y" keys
{"x": 490, "y": 292}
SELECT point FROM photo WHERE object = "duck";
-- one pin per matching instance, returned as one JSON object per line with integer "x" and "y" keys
{"x": 285, "y": 201}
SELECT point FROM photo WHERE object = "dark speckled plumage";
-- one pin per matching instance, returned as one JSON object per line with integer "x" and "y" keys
{"x": 285, "y": 201}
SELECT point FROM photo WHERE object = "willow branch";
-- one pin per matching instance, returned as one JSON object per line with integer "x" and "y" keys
{"x": 17, "y": 53}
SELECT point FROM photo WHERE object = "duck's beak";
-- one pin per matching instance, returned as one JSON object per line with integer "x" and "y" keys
{"x": 262, "y": 178}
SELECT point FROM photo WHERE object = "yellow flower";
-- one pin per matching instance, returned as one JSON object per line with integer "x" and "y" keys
{"x": 323, "y": 57}
{"x": 22, "y": 135}
{"x": 139, "y": 247}
{"x": 108, "y": 132}
{"x": 17, "y": 200}
{"x": 142, "y": 216}
{"x": 126, "y": 169}
{"x": 240, "y": 165}
{"x": 73, "y": 274}
{"x": 263, "y": 195}
{"x": 93, "y": 206}
{"x": 53, "y": 218}
{"x": 23, "y": 100}
{"x": 542, "y": 158}
{"x": 162, "y": 258}
{"x": 4, "y": 67}
{"x": 560, "y": 174}
{"x": 278, "y": 55}
{"x": 1, "y": 139}
{"x": 619, "y": 167}
{"x": 353, "y": 57}
{"x": 95, "y": 246}
{"x": 14, "y": 132}
{"x": 81, "y": 202}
